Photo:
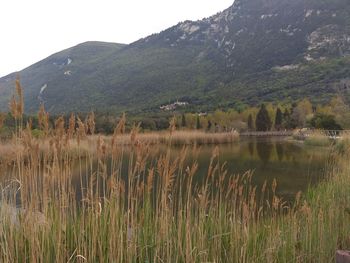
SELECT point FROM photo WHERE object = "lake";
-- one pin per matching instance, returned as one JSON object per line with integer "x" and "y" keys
{"x": 295, "y": 166}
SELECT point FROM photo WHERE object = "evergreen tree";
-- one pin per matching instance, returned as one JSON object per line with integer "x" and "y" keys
{"x": 263, "y": 121}
{"x": 278, "y": 119}
{"x": 209, "y": 125}
{"x": 294, "y": 116}
{"x": 250, "y": 123}
{"x": 183, "y": 121}
{"x": 286, "y": 119}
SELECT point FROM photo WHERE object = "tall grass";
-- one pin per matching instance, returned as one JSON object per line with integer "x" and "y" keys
{"x": 188, "y": 137}
{"x": 156, "y": 212}
{"x": 318, "y": 138}
{"x": 81, "y": 148}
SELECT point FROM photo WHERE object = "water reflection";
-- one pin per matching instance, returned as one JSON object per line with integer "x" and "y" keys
{"x": 264, "y": 150}
{"x": 294, "y": 165}
{"x": 279, "y": 151}
{"x": 251, "y": 146}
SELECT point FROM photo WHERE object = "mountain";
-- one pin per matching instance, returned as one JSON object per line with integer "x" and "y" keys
{"x": 55, "y": 78}
{"x": 254, "y": 51}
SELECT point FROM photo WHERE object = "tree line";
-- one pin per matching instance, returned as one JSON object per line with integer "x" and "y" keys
{"x": 291, "y": 120}
{"x": 333, "y": 116}
{"x": 302, "y": 114}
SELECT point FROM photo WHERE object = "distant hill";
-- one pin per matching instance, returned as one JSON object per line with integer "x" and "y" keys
{"x": 254, "y": 51}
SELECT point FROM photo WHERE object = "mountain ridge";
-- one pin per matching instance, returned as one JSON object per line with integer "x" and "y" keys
{"x": 253, "y": 51}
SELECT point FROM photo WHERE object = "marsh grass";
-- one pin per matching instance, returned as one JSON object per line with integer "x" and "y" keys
{"x": 157, "y": 213}
{"x": 318, "y": 138}
{"x": 82, "y": 145}
{"x": 187, "y": 137}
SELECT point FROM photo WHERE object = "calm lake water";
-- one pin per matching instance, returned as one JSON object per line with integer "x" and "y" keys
{"x": 294, "y": 165}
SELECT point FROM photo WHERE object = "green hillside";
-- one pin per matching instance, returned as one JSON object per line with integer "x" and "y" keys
{"x": 254, "y": 51}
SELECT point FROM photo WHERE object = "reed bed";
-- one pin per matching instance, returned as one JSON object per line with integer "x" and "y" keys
{"x": 9, "y": 149}
{"x": 188, "y": 137}
{"x": 318, "y": 138}
{"x": 155, "y": 212}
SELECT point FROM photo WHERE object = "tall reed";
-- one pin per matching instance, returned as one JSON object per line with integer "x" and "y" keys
{"x": 120, "y": 203}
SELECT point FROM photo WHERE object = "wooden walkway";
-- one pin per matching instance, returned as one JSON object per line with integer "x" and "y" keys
{"x": 302, "y": 133}
{"x": 267, "y": 134}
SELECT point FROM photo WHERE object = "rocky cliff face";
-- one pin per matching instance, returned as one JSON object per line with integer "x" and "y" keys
{"x": 259, "y": 34}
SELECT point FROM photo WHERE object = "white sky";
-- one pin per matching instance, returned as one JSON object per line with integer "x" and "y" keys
{"x": 34, "y": 29}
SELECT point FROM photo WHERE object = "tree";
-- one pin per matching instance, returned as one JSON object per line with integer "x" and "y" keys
{"x": 2, "y": 119}
{"x": 286, "y": 119}
{"x": 341, "y": 111}
{"x": 278, "y": 119}
{"x": 148, "y": 124}
{"x": 162, "y": 123}
{"x": 209, "y": 125}
{"x": 198, "y": 124}
{"x": 220, "y": 117}
{"x": 183, "y": 121}
{"x": 301, "y": 112}
{"x": 291, "y": 117}
{"x": 190, "y": 120}
{"x": 263, "y": 121}
{"x": 324, "y": 121}
{"x": 250, "y": 123}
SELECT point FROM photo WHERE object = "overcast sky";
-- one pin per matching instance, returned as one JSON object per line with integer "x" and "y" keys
{"x": 34, "y": 29}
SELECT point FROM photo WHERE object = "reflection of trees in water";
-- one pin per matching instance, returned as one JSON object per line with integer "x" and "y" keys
{"x": 292, "y": 151}
{"x": 279, "y": 151}
{"x": 251, "y": 148}
{"x": 264, "y": 150}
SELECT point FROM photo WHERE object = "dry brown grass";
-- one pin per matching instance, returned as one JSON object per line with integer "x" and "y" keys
{"x": 83, "y": 145}
{"x": 181, "y": 138}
